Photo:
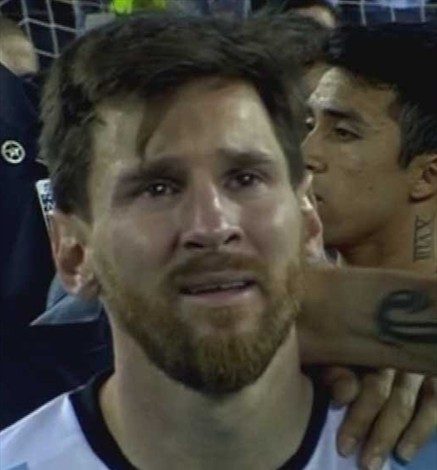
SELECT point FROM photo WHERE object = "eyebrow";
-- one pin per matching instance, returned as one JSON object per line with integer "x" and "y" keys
{"x": 239, "y": 157}
{"x": 145, "y": 169}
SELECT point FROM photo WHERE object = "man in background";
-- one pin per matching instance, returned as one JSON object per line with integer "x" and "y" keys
{"x": 372, "y": 147}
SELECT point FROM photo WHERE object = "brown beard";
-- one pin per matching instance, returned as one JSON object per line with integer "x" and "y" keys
{"x": 213, "y": 364}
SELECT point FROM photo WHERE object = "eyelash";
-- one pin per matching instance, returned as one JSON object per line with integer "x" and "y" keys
{"x": 345, "y": 134}
{"x": 254, "y": 176}
{"x": 341, "y": 132}
{"x": 175, "y": 188}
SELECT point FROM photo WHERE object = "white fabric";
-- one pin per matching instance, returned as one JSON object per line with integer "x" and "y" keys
{"x": 51, "y": 439}
{"x": 48, "y": 439}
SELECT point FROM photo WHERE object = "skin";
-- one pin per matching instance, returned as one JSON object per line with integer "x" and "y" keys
{"x": 347, "y": 150}
{"x": 370, "y": 318}
{"x": 320, "y": 14}
{"x": 354, "y": 160}
{"x": 16, "y": 51}
{"x": 142, "y": 227}
{"x": 352, "y": 147}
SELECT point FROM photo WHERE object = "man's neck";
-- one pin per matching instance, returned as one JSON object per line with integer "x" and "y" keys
{"x": 160, "y": 424}
{"x": 410, "y": 244}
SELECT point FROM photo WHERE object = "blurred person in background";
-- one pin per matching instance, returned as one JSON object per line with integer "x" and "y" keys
{"x": 16, "y": 51}
{"x": 19, "y": 132}
{"x": 26, "y": 266}
{"x": 69, "y": 344}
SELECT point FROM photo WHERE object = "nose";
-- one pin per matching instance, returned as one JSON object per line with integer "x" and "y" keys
{"x": 312, "y": 152}
{"x": 211, "y": 220}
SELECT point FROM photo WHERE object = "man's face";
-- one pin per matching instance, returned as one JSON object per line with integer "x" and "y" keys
{"x": 352, "y": 148}
{"x": 196, "y": 231}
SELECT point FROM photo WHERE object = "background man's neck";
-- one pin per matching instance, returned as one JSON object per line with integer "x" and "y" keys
{"x": 410, "y": 245}
{"x": 159, "y": 423}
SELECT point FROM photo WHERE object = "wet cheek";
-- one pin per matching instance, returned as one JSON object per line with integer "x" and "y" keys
{"x": 137, "y": 251}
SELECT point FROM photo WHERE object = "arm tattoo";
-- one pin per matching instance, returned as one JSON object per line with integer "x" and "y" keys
{"x": 408, "y": 315}
{"x": 423, "y": 239}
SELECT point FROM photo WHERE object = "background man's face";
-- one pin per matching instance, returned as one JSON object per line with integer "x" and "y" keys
{"x": 196, "y": 232}
{"x": 353, "y": 147}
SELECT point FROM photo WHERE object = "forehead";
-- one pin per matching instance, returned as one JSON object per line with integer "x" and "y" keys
{"x": 209, "y": 114}
{"x": 199, "y": 118}
{"x": 339, "y": 89}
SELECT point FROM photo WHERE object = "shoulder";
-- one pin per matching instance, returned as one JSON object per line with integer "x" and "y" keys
{"x": 48, "y": 438}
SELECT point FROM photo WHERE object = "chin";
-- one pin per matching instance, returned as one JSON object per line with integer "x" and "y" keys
{"x": 225, "y": 322}
{"x": 227, "y": 363}
{"x": 219, "y": 351}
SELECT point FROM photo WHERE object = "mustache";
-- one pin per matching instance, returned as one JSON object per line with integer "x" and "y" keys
{"x": 215, "y": 261}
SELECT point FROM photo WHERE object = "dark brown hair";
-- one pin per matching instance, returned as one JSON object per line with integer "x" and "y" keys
{"x": 293, "y": 38}
{"x": 148, "y": 55}
{"x": 404, "y": 58}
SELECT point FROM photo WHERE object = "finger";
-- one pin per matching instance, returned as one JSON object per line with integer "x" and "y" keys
{"x": 422, "y": 425}
{"x": 392, "y": 420}
{"x": 343, "y": 383}
{"x": 375, "y": 390}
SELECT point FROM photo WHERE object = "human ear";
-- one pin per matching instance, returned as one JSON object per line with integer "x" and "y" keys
{"x": 72, "y": 255}
{"x": 423, "y": 171}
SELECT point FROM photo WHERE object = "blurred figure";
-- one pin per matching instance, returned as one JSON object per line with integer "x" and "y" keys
{"x": 50, "y": 26}
{"x": 71, "y": 342}
{"x": 26, "y": 266}
{"x": 16, "y": 50}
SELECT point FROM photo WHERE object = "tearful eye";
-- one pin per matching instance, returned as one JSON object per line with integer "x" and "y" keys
{"x": 244, "y": 180}
{"x": 160, "y": 189}
{"x": 345, "y": 134}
